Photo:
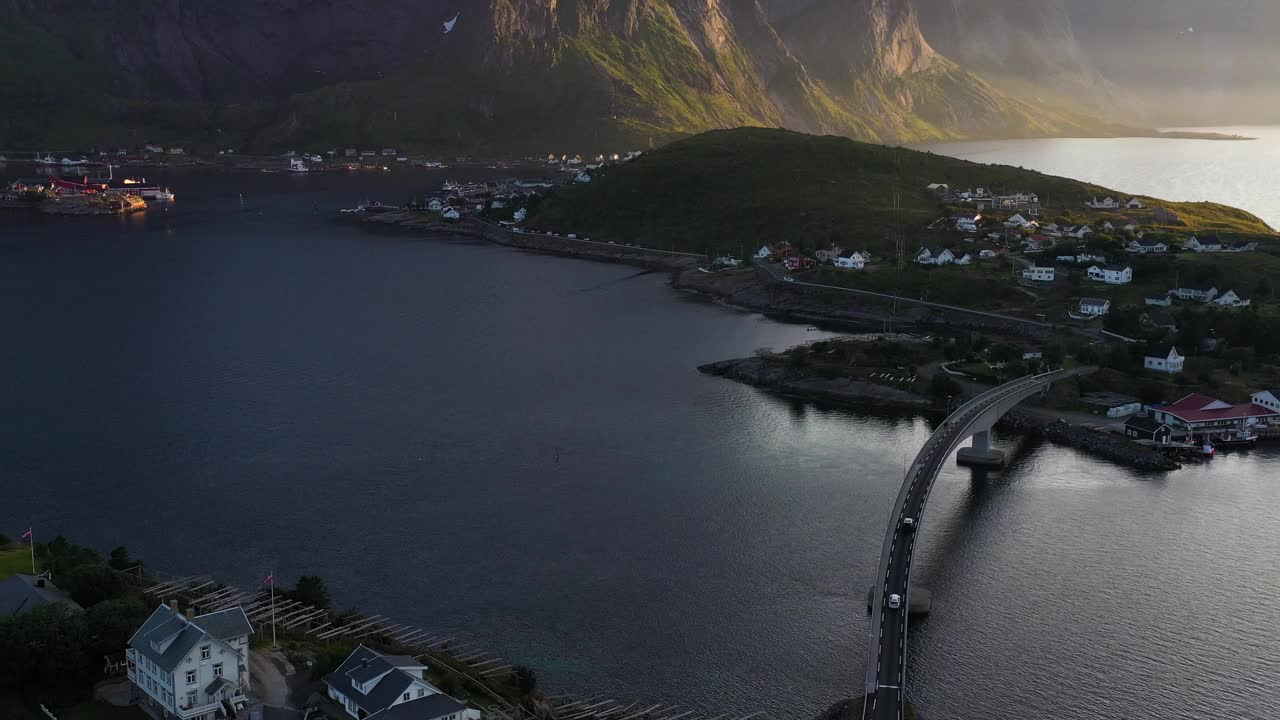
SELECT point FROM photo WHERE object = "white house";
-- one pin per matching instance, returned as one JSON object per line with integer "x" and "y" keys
{"x": 520, "y": 215}
{"x": 939, "y": 188}
{"x": 934, "y": 256}
{"x": 1094, "y": 307}
{"x": 154, "y": 148}
{"x": 965, "y": 259}
{"x": 451, "y": 214}
{"x": 434, "y": 205}
{"x": 968, "y": 222}
{"x": 1111, "y": 274}
{"x": 726, "y": 261}
{"x": 1231, "y": 299}
{"x": 582, "y": 177}
{"x": 1203, "y": 294}
{"x": 1083, "y": 258}
{"x": 987, "y": 253}
{"x": 1106, "y": 203}
{"x": 369, "y": 684}
{"x": 1017, "y": 221}
{"x": 1144, "y": 247}
{"x": 1242, "y": 247}
{"x": 1040, "y": 273}
{"x": 850, "y": 260}
{"x": 1164, "y": 358}
{"x": 1078, "y": 232}
{"x": 1134, "y": 204}
{"x": 192, "y": 668}
{"x": 1162, "y": 301}
{"x": 1267, "y": 399}
{"x": 1207, "y": 243}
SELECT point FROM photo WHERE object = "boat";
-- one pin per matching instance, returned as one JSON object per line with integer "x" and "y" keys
{"x": 164, "y": 195}
{"x": 1208, "y": 450}
{"x": 153, "y": 193}
{"x": 69, "y": 161}
{"x": 46, "y": 160}
{"x": 297, "y": 165}
{"x": 1236, "y": 439}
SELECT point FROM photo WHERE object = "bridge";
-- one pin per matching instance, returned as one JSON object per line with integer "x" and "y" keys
{"x": 887, "y": 631}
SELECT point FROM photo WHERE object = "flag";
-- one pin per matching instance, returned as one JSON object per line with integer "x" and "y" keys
{"x": 25, "y": 535}
{"x": 268, "y": 579}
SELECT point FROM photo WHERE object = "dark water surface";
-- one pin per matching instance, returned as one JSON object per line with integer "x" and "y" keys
{"x": 234, "y": 388}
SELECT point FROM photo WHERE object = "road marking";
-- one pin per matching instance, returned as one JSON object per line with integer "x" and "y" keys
{"x": 895, "y": 687}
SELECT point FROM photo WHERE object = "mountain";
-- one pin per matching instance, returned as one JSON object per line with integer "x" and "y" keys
{"x": 510, "y": 75}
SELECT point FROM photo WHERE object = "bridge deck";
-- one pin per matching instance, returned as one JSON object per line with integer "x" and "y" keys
{"x": 887, "y": 630}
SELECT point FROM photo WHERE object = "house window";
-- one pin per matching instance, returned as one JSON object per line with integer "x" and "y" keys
{"x": 191, "y": 698}
{"x": 406, "y": 696}
{"x": 421, "y": 692}
{"x": 204, "y": 653}
{"x": 191, "y": 677}
{"x": 217, "y": 670}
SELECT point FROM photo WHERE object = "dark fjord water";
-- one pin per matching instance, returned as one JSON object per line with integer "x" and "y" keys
{"x": 231, "y": 388}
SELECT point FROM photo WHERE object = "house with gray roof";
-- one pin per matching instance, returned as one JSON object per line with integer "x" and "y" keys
{"x": 369, "y": 685}
{"x": 21, "y": 594}
{"x": 191, "y": 667}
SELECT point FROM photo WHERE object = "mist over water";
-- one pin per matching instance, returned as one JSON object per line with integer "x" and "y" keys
{"x": 1240, "y": 174}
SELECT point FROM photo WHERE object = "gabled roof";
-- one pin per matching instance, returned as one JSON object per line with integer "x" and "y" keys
{"x": 1148, "y": 243}
{"x": 1161, "y": 350}
{"x": 430, "y": 707}
{"x": 1098, "y": 302}
{"x": 1208, "y": 239}
{"x": 168, "y": 636}
{"x": 226, "y": 624}
{"x": 850, "y": 253}
{"x": 365, "y": 664}
{"x": 22, "y": 593}
{"x": 1115, "y": 268}
{"x": 1202, "y": 408}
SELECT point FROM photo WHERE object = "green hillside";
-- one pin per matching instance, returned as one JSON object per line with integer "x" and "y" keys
{"x": 732, "y": 189}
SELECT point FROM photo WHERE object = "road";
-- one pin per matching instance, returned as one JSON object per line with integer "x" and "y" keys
{"x": 887, "y": 640}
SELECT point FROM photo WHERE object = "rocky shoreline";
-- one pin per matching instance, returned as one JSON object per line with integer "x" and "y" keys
{"x": 756, "y": 290}
{"x": 431, "y": 224}
{"x": 845, "y": 392}
{"x": 841, "y": 391}
{"x": 1104, "y": 445}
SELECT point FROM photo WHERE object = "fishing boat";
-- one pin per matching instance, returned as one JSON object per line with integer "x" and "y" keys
{"x": 1239, "y": 438}
{"x": 46, "y": 160}
{"x": 297, "y": 165}
{"x": 1208, "y": 450}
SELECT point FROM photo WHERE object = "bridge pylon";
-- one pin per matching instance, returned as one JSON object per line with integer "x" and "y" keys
{"x": 980, "y": 453}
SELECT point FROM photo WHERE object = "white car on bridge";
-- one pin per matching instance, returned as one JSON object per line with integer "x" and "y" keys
{"x": 895, "y": 602}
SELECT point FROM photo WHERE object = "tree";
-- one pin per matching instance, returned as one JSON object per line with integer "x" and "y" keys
{"x": 89, "y": 585}
{"x": 1007, "y": 355}
{"x": 329, "y": 658}
{"x": 943, "y": 385}
{"x": 112, "y": 623}
{"x": 46, "y": 647}
{"x": 120, "y": 559}
{"x": 310, "y": 590}
{"x": 1055, "y": 354}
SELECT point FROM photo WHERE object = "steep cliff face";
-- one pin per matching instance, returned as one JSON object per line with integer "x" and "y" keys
{"x": 507, "y": 73}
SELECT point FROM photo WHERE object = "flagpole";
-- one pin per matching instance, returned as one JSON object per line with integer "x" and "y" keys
{"x": 32, "y": 538}
{"x": 273, "y": 609}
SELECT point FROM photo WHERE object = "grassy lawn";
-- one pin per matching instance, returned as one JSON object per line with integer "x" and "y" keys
{"x": 13, "y": 560}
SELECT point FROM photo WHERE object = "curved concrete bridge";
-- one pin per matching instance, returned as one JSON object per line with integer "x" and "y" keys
{"x": 887, "y": 631}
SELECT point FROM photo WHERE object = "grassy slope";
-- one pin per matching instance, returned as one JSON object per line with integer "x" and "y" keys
{"x": 14, "y": 560}
{"x": 742, "y": 188}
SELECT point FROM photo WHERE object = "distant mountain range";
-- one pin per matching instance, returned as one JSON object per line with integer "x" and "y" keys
{"x": 542, "y": 75}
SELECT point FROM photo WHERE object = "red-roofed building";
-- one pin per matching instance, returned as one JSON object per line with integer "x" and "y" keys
{"x": 1198, "y": 414}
